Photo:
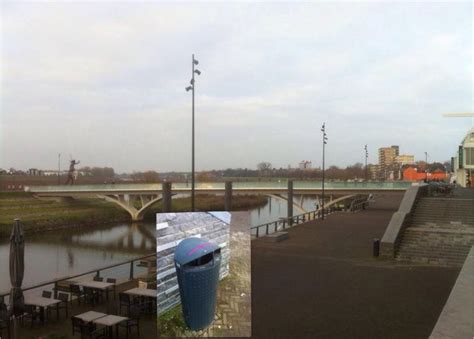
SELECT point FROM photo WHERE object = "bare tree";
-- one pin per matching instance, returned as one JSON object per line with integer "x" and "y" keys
{"x": 264, "y": 166}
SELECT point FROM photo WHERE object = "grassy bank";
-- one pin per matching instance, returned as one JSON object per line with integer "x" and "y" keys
{"x": 42, "y": 215}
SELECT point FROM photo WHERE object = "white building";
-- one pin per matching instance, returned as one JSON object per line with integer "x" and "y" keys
{"x": 463, "y": 162}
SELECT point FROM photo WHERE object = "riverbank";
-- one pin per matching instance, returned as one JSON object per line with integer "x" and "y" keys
{"x": 46, "y": 215}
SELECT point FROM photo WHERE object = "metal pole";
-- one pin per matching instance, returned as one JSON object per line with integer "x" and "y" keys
{"x": 59, "y": 168}
{"x": 192, "y": 161}
{"x": 322, "y": 202}
{"x": 366, "y": 156}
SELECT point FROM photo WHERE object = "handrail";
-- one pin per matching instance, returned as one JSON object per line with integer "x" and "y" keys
{"x": 97, "y": 271}
{"x": 291, "y": 221}
{"x": 301, "y": 218}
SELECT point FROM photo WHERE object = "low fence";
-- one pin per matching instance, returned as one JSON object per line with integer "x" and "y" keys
{"x": 56, "y": 283}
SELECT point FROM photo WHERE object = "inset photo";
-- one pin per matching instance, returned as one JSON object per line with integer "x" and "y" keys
{"x": 203, "y": 274}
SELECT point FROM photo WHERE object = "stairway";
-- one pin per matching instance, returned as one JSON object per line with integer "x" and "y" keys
{"x": 440, "y": 231}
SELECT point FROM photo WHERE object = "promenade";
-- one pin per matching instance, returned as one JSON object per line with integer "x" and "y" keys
{"x": 324, "y": 283}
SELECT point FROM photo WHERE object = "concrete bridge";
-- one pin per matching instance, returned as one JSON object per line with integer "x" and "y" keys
{"x": 137, "y": 198}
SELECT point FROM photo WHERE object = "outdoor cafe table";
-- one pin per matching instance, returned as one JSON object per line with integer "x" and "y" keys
{"x": 110, "y": 321}
{"x": 142, "y": 292}
{"x": 98, "y": 285}
{"x": 90, "y": 316}
{"x": 42, "y": 303}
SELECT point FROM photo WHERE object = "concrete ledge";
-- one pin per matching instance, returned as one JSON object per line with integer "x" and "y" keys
{"x": 398, "y": 222}
{"x": 457, "y": 317}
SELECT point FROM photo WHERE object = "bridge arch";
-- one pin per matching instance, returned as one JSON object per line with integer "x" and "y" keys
{"x": 127, "y": 203}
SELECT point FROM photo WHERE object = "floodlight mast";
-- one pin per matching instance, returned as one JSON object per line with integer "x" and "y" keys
{"x": 325, "y": 139}
{"x": 192, "y": 88}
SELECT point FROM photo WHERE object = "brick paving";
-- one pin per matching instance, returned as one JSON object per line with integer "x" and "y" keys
{"x": 233, "y": 309}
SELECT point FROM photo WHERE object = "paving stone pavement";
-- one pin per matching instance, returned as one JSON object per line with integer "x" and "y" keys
{"x": 233, "y": 310}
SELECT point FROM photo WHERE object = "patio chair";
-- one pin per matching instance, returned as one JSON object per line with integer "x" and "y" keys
{"x": 76, "y": 291}
{"x": 90, "y": 296}
{"x": 47, "y": 294}
{"x": 76, "y": 325}
{"x": 64, "y": 304}
{"x": 133, "y": 321}
{"x": 97, "y": 278}
{"x": 4, "y": 320}
{"x": 125, "y": 300}
{"x": 91, "y": 331}
{"x": 30, "y": 313}
{"x": 151, "y": 285}
{"x": 112, "y": 281}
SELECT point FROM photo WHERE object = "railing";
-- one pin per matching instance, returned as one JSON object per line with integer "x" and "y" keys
{"x": 283, "y": 223}
{"x": 288, "y": 222}
{"x": 56, "y": 282}
{"x": 359, "y": 203}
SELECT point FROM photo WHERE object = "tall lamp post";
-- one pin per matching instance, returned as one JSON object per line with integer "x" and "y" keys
{"x": 366, "y": 157}
{"x": 325, "y": 139}
{"x": 191, "y": 88}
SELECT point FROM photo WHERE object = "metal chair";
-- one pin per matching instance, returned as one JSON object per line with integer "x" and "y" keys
{"x": 64, "y": 304}
{"x": 91, "y": 331}
{"x": 4, "y": 320}
{"x": 112, "y": 281}
{"x": 90, "y": 296}
{"x": 31, "y": 313}
{"x": 133, "y": 321}
{"x": 47, "y": 294}
{"x": 76, "y": 291}
{"x": 76, "y": 325}
{"x": 97, "y": 278}
{"x": 126, "y": 301}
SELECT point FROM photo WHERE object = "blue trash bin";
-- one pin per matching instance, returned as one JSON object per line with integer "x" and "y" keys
{"x": 197, "y": 263}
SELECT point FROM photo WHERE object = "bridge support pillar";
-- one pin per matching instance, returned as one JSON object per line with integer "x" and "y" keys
{"x": 290, "y": 202}
{"x": 228, "y": 196}
{"x": 166, "y": 197}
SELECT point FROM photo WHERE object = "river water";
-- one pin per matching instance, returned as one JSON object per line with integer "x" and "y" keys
{"x": 57, "y": 254}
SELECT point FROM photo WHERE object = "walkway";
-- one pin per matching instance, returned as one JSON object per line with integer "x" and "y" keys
{"x": 324, "y": 283}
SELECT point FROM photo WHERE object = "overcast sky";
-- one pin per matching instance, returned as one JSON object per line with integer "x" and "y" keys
{"x": 105, "y": 83}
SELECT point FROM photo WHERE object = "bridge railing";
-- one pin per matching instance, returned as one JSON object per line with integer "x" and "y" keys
{"x": 129, "y": 266}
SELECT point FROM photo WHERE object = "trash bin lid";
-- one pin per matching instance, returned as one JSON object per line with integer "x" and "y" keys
{"x": 193, "y": 248}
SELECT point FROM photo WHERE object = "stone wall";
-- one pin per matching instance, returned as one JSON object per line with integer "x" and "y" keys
{"x": 175, "y": 227}
{"x": 457, "y": 318}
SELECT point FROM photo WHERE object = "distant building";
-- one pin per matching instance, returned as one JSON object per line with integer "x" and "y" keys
{"x": 387, "y": 156}
{"x": 305, "y": 164}
{"x": 373, "y": 171}
{"x": 35, "y": 172}
{"x": 405, "y": 159}
{"x": 463, "y": 162}
{"x": 415, "y": 174}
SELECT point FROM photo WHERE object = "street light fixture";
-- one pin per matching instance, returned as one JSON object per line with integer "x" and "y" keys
{"x": 366, "y": 157}
{"x": 325, "y": 139}
{"x": 192, "y": 88}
